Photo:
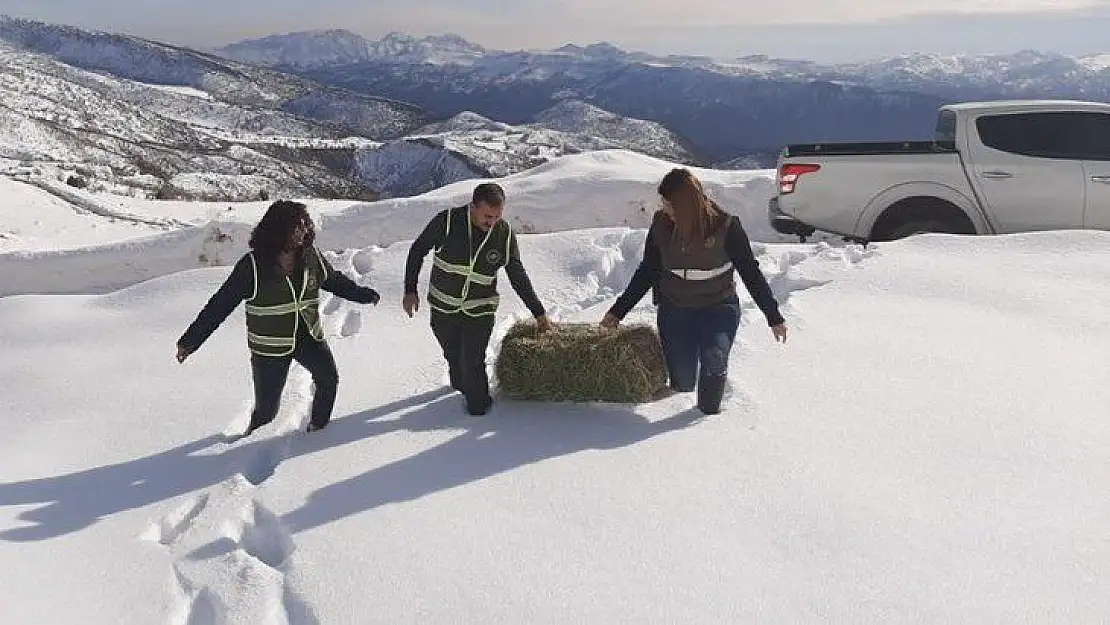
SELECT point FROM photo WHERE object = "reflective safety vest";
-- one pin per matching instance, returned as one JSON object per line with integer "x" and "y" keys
{"x": 695, "y": 275}
{"x": 277, "y": 308}
{"x": 464, "y": 278}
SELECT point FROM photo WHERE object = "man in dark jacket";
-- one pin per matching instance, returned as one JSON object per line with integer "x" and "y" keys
{"x": 471, "y": 243}
{"x": 280, "y": 279}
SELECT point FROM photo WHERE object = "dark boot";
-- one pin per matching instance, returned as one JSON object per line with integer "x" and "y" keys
{"x": 478, "y": 406}
{"x": 711, "y": 389}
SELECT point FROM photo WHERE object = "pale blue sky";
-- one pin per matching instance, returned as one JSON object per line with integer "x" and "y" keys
{"x": 822, "y": 30}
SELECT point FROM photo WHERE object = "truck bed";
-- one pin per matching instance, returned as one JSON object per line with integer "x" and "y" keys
{"x": 834, "y": 197}
{"x": 869, "y": 148}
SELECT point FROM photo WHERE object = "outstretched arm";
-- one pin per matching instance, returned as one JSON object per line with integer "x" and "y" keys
{"x": 646, "y": 276}
{"x": 238, "y": 286}
{"x": 739, "y": 250}
{"x": 337, "y": 282}
{"x": 520, "y": 281}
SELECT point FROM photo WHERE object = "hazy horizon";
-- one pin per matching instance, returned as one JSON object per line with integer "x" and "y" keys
{"x": 832, "y": 31}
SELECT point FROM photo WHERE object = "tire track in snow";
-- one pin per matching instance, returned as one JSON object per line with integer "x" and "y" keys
{"x": 83, "y": 205}
{"x": 231, "y": 553}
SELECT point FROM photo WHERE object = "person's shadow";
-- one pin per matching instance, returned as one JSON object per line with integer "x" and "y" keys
{"x": 501, "y": 441}
{"x": 507, "y": 439}
{"x": 75, "y": 501}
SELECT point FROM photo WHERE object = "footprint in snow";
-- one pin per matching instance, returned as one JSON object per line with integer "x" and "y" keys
{"x": 352, "y": 324}
{"x": 172, "y": 526}
{"x": 362, "y": 262}
{"x": 262, "y": 535}
{"x": 330, "y": 306}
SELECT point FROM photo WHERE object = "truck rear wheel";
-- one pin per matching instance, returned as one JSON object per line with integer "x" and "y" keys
{"x": 920, "y": 215}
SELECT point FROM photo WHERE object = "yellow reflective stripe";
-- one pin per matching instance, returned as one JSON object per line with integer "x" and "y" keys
{"x": 461, "y": 270}
{"x": 279, "y": 309}
{"x": 434, "y": 292}
{"x": 270, "y": 341}
{"x": 462, "y": 303}
{"x": 468, "y": 313}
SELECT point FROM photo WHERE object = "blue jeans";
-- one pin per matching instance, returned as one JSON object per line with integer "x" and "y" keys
{"x": 697, "y": 341}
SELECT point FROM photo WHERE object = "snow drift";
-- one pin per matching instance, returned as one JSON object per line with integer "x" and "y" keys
{"x": 596, "y": 189}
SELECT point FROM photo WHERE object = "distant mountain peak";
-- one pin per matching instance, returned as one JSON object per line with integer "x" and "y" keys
{"x": 434, "y": 49}
{"x": 309, "y": 49}
{"x": 601, "y": 49}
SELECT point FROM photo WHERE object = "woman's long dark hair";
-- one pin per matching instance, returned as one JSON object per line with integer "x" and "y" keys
{"x": 272, "y": 233}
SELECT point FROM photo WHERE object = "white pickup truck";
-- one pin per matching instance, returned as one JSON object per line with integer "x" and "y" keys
{"x": 992, "y": 168}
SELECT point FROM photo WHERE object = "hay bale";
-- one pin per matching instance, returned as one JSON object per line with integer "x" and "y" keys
{"x": 581, "y": 362}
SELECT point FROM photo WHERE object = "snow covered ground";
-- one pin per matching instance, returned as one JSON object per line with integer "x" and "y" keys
{"x": 929, "y": 446}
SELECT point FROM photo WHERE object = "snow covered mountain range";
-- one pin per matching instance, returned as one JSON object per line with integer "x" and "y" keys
{"x": 727, "y": 109}
{"x": 333, "y": 114}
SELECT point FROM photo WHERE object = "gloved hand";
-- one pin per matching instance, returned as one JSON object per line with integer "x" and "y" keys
{"x": 374, "y": 296}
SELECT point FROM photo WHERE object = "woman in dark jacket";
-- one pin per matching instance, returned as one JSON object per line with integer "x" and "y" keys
{"x": 280, "y": 280}
{"x": 692, "y": 251}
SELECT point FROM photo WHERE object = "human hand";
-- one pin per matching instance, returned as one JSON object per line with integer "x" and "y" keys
{"x": 610, "y": 321}
{"x": 183, "y": 353}
{"x": 411, "y": 303}
{"x": 543, "y": 324}
{"x": 779, "y": 331}
{"x": 375, "y": 297}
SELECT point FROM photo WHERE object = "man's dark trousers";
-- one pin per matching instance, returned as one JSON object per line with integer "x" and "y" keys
{"x": 271, "y": 372}
{"x": 464, "y": 340}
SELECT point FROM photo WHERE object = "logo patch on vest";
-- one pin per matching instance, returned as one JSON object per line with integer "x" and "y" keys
{"x": 493, "y": 257}
{"x": 312, "y": 281}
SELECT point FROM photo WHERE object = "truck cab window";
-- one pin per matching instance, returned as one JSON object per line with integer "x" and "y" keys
{"x": 1097, "y": 146}
{"x": 1061, "y": 135}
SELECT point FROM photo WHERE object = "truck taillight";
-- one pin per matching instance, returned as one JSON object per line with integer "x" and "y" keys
{"x": 790, "y": 172}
